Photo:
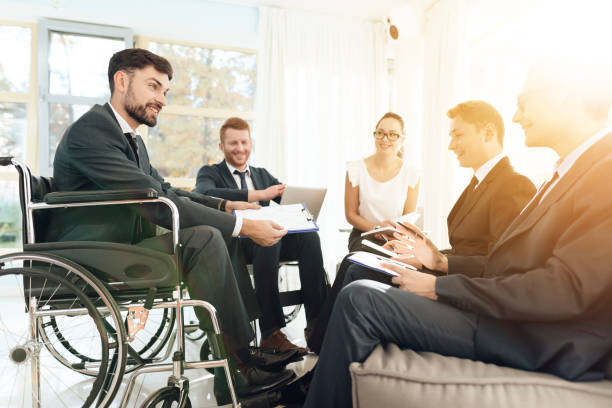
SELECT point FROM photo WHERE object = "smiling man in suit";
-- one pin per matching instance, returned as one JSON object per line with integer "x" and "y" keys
{"x": 103, "y": 150}
{"x": 541, "y": 299}
{"x": 494, "y": 197}
{"x": 234, "y": 179}
{"x": 496, "y": 193}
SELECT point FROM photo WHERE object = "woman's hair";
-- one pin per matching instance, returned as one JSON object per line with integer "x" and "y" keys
{"x": 400, "y": 152}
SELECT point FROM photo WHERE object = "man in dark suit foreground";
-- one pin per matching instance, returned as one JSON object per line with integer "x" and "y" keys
{"x": 542, "y": 299}
{"x": 103, "y": 151}
{"x": 234, "y": 179}
{"x": 494, "y": 197}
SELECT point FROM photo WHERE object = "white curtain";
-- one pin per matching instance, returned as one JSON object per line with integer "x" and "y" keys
{"x": 443, "y": 87}
{"x": 321, "y": 86}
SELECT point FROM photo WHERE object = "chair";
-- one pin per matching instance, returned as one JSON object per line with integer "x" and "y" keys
{"x": 92, "y": 309}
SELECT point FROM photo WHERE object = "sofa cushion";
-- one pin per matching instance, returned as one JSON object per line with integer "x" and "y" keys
{"x": 391, "y": 377}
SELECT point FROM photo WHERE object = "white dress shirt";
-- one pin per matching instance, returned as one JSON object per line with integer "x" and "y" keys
{"x": 236, "y": 177}
{"x": 562, "y": 166}
{"x": 125, "y": 127}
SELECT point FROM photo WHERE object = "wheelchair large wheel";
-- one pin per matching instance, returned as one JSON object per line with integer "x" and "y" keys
{"x": 151, "y": 340}
{"x": 167, "y": 397}
{"x": 147, "y": 343}
{"x": 62, "y": 333}
{"x": 30, "y": 374}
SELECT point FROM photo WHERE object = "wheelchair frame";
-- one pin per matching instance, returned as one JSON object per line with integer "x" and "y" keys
{"x": 178, "y": 365}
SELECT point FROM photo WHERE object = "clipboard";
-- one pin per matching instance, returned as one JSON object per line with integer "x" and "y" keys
{"x": 295, "y": 218}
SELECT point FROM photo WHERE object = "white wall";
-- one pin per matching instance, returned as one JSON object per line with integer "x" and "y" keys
{"x": 408, "y": 55}
{"x": 184, "y": 20}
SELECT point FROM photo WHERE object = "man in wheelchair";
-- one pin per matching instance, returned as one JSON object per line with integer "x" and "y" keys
{"x": 104, "y": 151}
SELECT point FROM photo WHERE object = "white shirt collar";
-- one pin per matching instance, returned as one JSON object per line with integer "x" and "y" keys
{"x": 232, "y": 168}
{"x": 563, "y": 166}
{"x": 483, "y": 170}
{"x": 125, "y": 127}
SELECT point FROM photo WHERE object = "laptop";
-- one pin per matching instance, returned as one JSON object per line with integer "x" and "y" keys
{"x": 311, "y": 197}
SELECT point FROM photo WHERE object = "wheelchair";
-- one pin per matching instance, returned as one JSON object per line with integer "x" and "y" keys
{"x": 75, "y": 312}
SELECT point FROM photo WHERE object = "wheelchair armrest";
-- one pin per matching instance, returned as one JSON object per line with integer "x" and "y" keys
{"x": 70, "y": 197}
{"x": 6, "y": 160}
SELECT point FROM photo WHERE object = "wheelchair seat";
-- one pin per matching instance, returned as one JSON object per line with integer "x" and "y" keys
{"x": 122, "y": 266}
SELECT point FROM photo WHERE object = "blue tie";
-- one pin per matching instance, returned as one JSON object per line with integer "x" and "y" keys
{"x": 243, "y": 183}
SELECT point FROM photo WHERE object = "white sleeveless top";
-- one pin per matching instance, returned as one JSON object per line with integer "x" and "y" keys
{"x": 381, "y": 201}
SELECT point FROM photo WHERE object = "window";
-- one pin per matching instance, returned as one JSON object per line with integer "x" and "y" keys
{"x": 17, "y": 127}
{"x": 209, "y": 85}
{"x": 72, "y": 75}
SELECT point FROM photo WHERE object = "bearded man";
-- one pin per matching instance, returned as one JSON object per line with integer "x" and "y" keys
{"x": 102, "y": 150}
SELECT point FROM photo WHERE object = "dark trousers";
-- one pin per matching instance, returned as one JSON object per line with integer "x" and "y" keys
{"x": 368, "y": 313}
{"x": 343, "y": 278}
{"x": 306, "y": 249}
{"x": 208, "y": 273}
{"x": 354, "y": 242}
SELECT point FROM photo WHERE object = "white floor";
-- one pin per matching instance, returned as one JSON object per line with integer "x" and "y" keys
{"x": 69, "y": 386}
{"x": 201, "y": 381}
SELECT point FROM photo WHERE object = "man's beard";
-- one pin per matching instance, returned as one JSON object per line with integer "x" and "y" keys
{"x": 139, "y": 112}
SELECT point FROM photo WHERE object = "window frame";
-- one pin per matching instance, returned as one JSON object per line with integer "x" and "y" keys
{"x": 29, "y": 98}
{"x": 45, "y": 27}
{"x": 183, "y": 110}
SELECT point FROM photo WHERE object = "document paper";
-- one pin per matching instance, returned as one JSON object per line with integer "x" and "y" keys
{"x": 294, "y": 218}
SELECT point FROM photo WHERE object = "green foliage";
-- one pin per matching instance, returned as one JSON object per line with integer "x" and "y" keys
{"x": 203, "y": 78}
{"x": 10, "y": 224}
{"x": 12, "y": 128}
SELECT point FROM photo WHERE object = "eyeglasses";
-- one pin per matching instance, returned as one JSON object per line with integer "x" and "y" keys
{"x": 391, "y": 136}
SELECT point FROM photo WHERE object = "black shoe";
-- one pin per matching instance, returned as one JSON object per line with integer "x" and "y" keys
{"x": 271, "y": 361}
{"x": 294, "y": 393}
{"x": 254, "y": 381}
{"x": 259, "y": 380}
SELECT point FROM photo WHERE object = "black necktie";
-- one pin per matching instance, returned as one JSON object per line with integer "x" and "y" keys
{"x": 133, "y": 144}
{"x": 243, "y": 183}
{"x": 473, "y": 184}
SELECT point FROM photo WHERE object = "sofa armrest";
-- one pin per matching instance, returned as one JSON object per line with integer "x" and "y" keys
{"x": 395, "y": 378}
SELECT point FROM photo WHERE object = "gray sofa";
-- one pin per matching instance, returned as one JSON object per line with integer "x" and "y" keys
{"x": 391, "y": 377}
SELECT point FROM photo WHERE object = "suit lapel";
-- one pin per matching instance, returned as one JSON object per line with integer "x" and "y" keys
{"x": 472, "y": 197}
{"x": 226, "y": 175}
{"x": 534, "y": 211}
{"x": 257, "y": 182}
{"x": 141, "y": 146}
{"x": 460, "y": 208}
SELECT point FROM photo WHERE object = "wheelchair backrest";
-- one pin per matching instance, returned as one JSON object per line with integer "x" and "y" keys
{"x": 33, "y": 189}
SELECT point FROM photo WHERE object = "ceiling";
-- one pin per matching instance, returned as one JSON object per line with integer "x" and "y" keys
{"x": 370, "y": 9}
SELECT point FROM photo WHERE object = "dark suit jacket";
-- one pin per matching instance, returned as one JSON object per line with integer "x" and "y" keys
{"x": 94, "y": 154}
{"x": 216, "y": 180}
{"x": 544, "y": 294}
{"x": 480, "y": 216}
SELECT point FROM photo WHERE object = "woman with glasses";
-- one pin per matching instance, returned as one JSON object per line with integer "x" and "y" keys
{"x": 382, "y": 186}
{"x": 378, "y": 188}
